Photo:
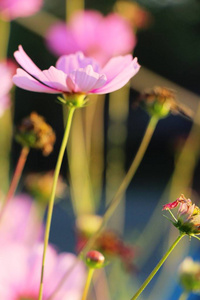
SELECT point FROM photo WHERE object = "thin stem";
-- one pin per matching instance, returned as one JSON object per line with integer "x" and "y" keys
{"x": 116, "y": 200}
{"x": 52, "y": 197}
{"x": 196, "y": 237}
{"x": 16, "y": 177}
{"x": 184, "y": 296}
{"x": 87, "y": 284}
{"x": 4, "y": 37}
{"x": 172, "y": 215}
{"x": 155, "y": 270}
{"x": 126, "y": 181}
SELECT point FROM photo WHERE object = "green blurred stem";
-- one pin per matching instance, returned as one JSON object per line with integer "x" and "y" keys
{"x": 4, "y": 37}
{"x": 126, "y": 181}
{"x": 184, "y": 296}
{"x": 155, "y": 270}
{"x": 52, "y": 197}
{"x": 87, "y": 284}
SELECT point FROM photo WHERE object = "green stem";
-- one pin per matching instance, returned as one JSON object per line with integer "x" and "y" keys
{"x": 155, "y": 270}
{"x": 184, "y": 296}
{"x": 4, "y": 37}
{"x": 87, "y": 284}
{"x": 126, "y": 181}
{"x": 52, "y": 197}
{"x": 118, "y": 196}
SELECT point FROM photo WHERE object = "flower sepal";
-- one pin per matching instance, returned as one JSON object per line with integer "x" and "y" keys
{"x": 73, "y": 100}
{"x": 187, "y": 228}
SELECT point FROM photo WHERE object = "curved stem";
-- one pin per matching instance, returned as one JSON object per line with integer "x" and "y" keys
{"x": 52, "y": 197}
{"x": 126, "y": 181}
{"x": 155, "y": 270}
{"x": 87, "y": 285}
{"x": 16, "y": 177}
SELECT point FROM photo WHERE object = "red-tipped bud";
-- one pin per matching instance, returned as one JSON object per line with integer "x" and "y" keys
{"x": 95, "y": 260}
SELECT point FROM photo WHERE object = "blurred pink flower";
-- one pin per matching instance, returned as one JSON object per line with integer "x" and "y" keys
{"x": 20, "y": 273}
{"x": 7, "y": 70}
{"x": 75, "y": 74}
{"x": 20, "y": 222}
{"x": 96, "y": 36}
{"x": 11, "y": 9}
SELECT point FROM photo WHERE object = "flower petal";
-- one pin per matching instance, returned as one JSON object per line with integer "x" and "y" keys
{"x": 55, "y": 79}
{"x": 72, "y": 62}
{"x": 26, "y": 82}
{"x": 118, "y": 72}
{"x": 60, "y": 39}
{"x": 25, "y": 62}
{"x": 170, "y": 205}
{"x": 85, "y": 80}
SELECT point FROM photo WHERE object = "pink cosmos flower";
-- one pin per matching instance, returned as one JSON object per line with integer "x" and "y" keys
{"x": 75, "y": 74}
{"x": 20, "y": 273}
{"x": 20, "y": 222}
{"x": 188, "y": 216}
{"x": 96, "y": 36}
{"x": 7, "y": 70}
{"x": 11, "y": 9}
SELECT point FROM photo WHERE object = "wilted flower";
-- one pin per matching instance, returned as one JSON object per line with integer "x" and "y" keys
{"x": 7, "y": 70}
{"x": 188, "y": 217}
{"x": 96, "y": 36}
{"x": 20, "y": 273}
{"x": 189, "y": 275}
{"x": 11, "y": 9}
{"x": 75, "y": 75}
{"x": 40, "y": 186}
{"x": 20, "y": 222}
{"x": 161, "y": 101}
{"x": 34, "y": 132}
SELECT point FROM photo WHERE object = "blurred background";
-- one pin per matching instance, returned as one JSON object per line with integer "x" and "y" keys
{"x": 168, "y": 47}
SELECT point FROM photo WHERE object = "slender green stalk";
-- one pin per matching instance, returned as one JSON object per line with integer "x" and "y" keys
{"x": 4, "y": 37}
{"x": 118, "y": 196}
{"x": 72, "y": 6}
{"x": 87, "y": 284}
{"x": 184, "y": 296}
{"x": 126, "y": 181}
{"x": 52, "y": 197}
{"x": 155, "y": 270}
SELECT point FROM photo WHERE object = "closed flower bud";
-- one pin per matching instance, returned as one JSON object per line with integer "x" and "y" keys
{"x": 34, "y": 132}
{"x": 95, "y": 260}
